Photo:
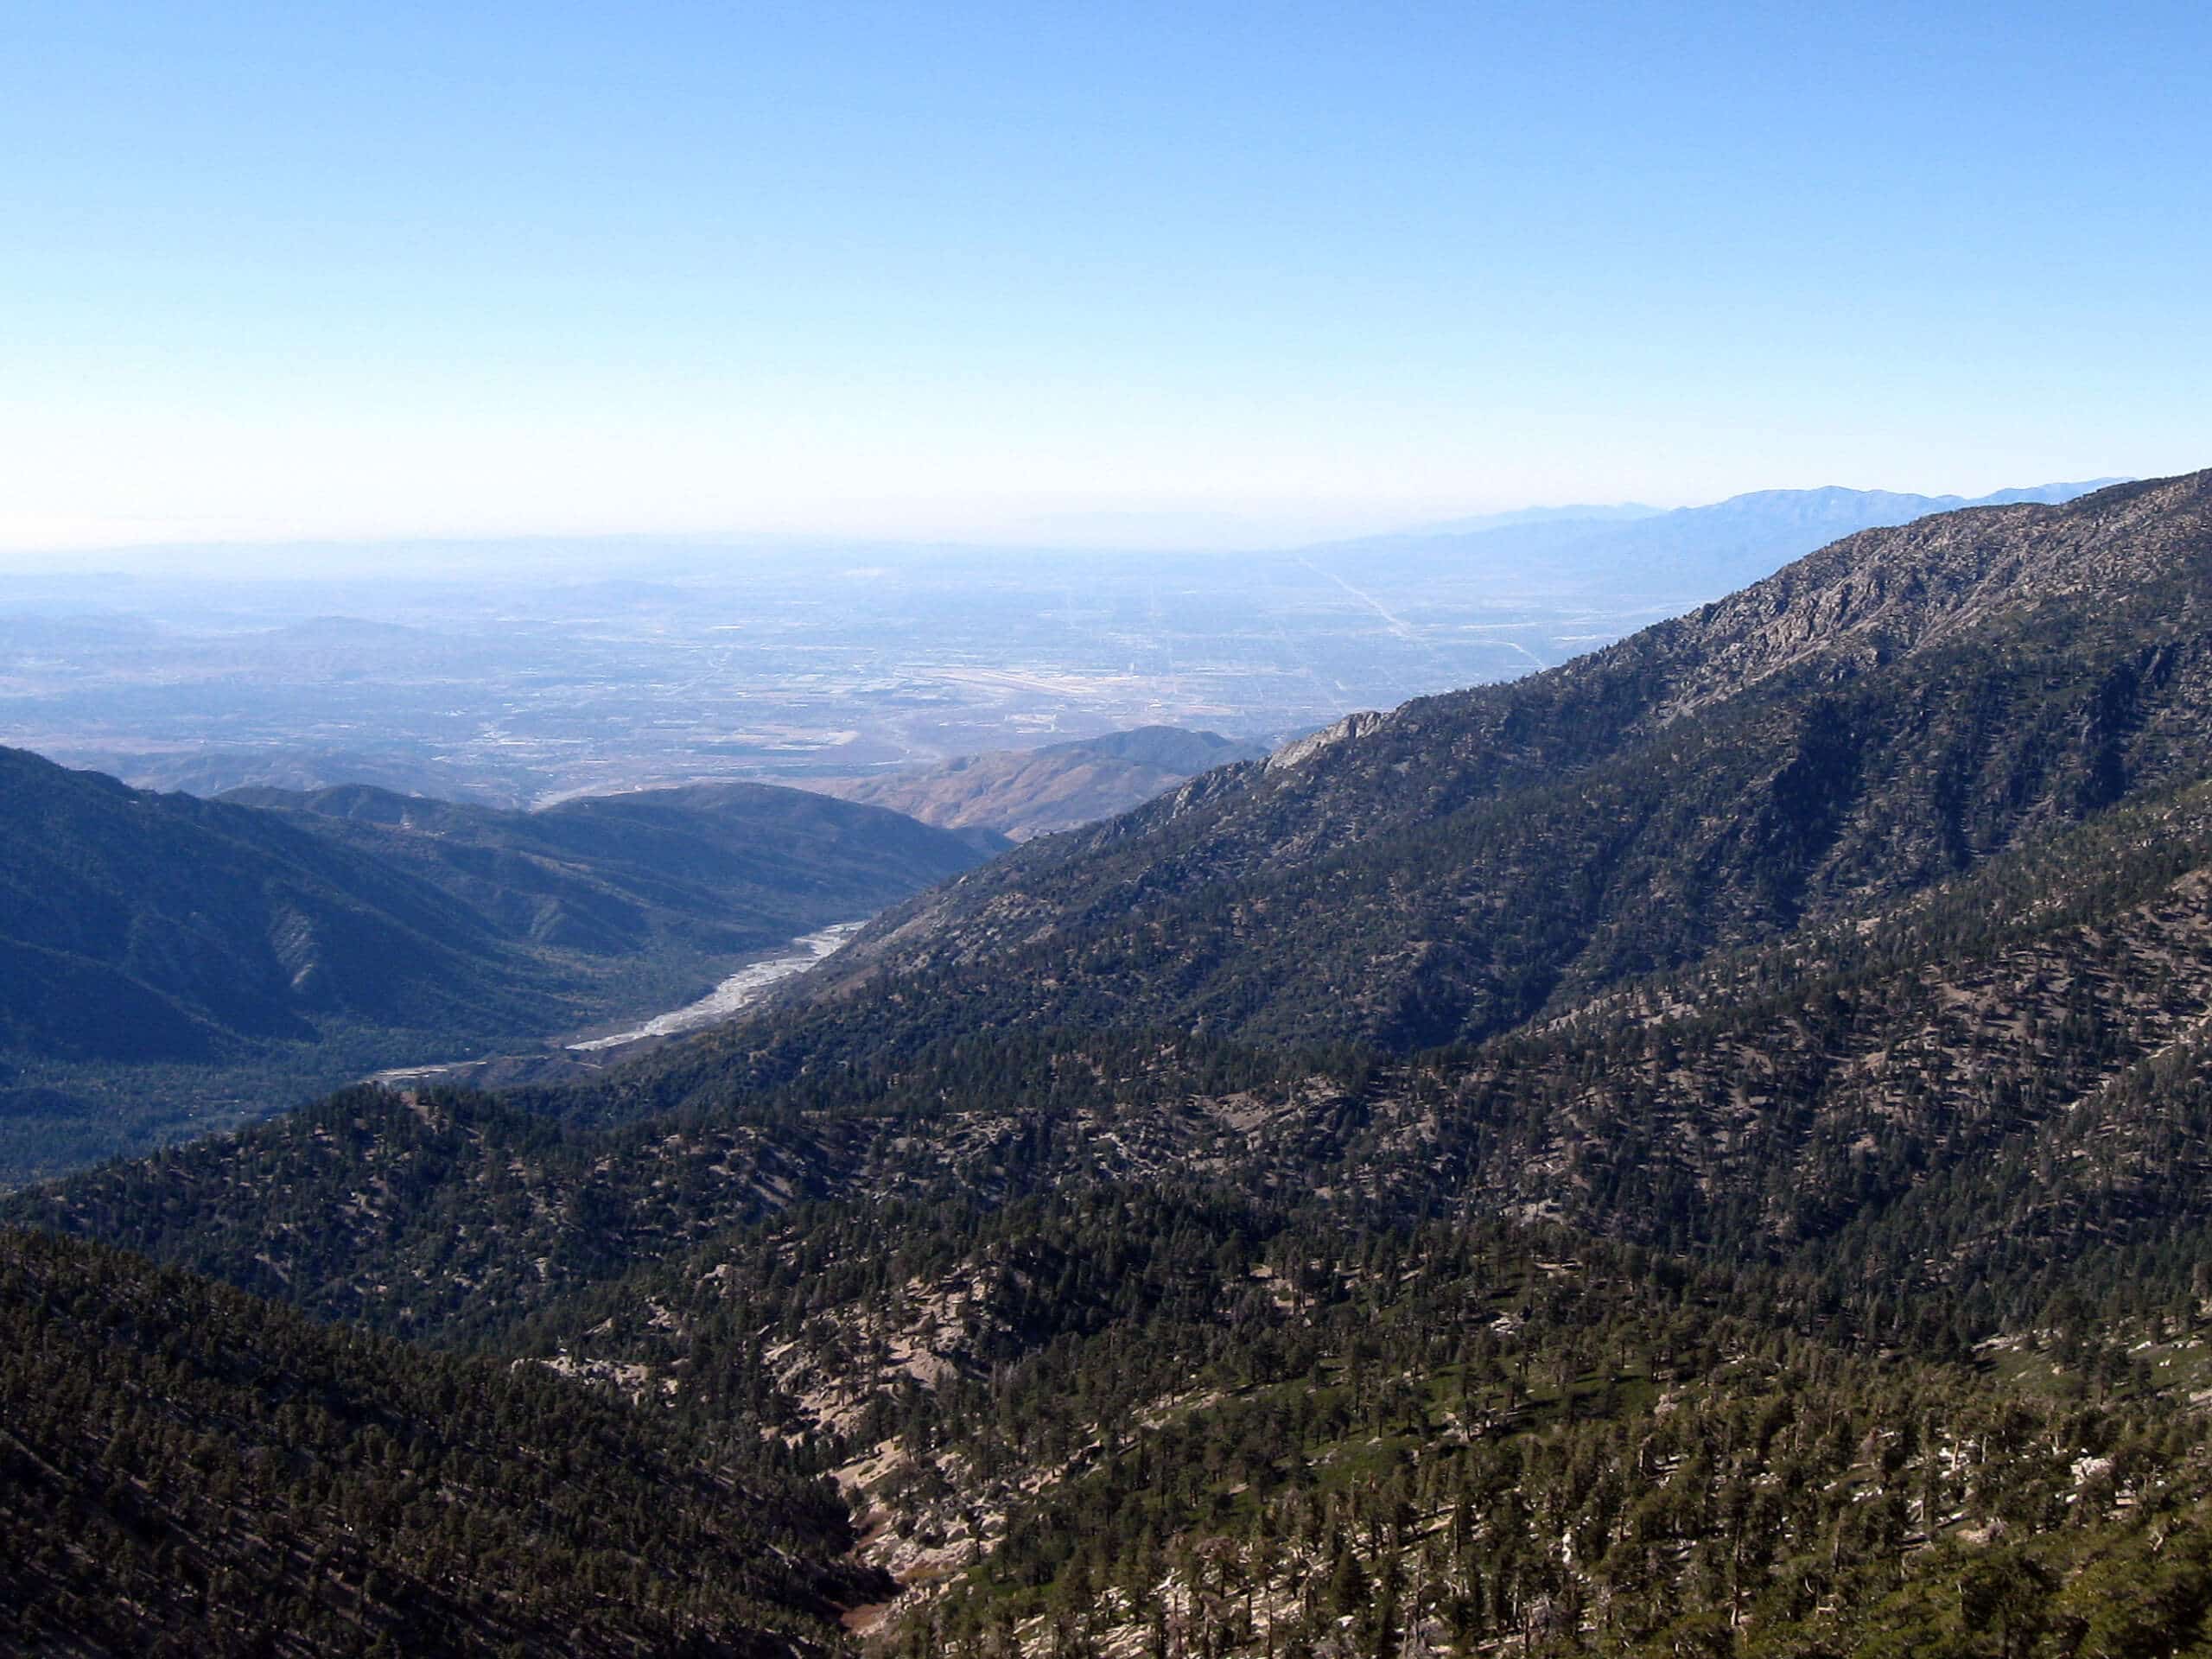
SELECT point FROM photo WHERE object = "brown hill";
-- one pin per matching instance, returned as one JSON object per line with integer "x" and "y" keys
{"x": 1028, "y": 792}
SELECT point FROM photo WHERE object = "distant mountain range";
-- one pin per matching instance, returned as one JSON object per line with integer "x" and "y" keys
{"x": 1025, "y": 792}
{"x": 301, "y": 770}
{"x": 1587, "y": 513}
{"x": 1681, "y": 558}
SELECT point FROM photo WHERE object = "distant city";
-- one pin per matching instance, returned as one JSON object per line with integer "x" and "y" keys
{"x": 526, "y": 682}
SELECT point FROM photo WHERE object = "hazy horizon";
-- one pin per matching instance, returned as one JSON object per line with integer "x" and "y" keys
{"x": 627, "y": 552}
{"x": 1169, "y": 275}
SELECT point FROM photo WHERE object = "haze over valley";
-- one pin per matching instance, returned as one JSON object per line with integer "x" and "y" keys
{"x": 673, "y": 663}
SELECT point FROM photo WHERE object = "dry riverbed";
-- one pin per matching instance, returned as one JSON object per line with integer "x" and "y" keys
{"x": 752, "y": 981}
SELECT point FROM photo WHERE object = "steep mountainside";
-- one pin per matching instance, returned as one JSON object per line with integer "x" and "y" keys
{"x": 1025, "y": 792}
{"x": 138, "y": 926}
{"x": 1879, "y": 715}
{"x": 1842, "y": 1102}
{"x": 1191, "y": 1397}
{"x": 189, "y": 1471}
{"x": 1163, "y": 1416}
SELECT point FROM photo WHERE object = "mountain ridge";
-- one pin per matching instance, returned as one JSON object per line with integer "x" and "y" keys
{"x": 1831, "y": 667}
{"x": 1686, "y": 555}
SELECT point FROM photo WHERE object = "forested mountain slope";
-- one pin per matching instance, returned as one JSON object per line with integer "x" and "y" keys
{"x": 1879, "y": 715}
{"x": 187, "y": 1470}
{"x": 1990, "y": 1092}
{"x": 1132, "y": 1417}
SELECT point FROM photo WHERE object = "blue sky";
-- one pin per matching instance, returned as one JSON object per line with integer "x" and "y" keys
{"x": 1094, "y": 272}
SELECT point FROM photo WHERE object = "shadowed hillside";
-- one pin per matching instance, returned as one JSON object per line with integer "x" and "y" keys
{"x": 189, "y": 1471}
{"x": 167, "y": 959}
